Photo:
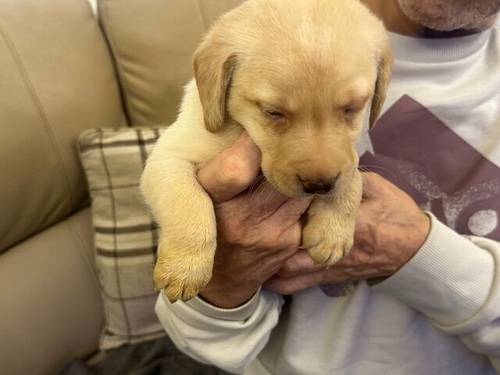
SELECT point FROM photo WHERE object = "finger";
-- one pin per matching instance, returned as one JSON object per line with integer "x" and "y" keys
{"x": 270, "y": 261}
{"x": 232, "y": 171}
{"x": 299, "y": 263}
{"x": 356, "y": 258}
{"x": 291, "y": 211}
{"x": 280, "y": 256}
{"x": 292, "y": 238}
{"x": 358, "y": 272}
{"x": 359, "y": 265}
{"x": 294, "y": 284}
{"x": 264, "y": 199}
{"x": 282, "y": 241}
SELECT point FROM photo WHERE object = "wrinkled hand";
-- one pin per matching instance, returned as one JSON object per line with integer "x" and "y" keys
{"x": 390, "y": 229}
{"x": 258, "y": 229}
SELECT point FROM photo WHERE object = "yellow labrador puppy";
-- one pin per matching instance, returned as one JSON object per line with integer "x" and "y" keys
{"x": 299, "y": 77}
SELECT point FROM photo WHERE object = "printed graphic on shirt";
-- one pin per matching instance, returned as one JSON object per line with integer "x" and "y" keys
{"x": 417, "y": 152}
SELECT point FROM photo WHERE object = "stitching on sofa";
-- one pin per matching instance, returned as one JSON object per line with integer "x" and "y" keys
{"x": 102, "y": 15}
{"x": 38, "y": 104}
{"x": 124, "y": 121}
{"x": 203, "y": 16}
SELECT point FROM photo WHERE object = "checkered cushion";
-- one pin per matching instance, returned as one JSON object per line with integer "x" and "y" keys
{"x": 125, "y": 233}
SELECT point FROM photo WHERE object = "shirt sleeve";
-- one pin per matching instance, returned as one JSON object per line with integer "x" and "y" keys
{"x": 454, "y": 281}
{"x": 227, "y": 338}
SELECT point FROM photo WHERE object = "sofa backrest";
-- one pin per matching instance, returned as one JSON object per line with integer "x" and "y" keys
{"x": 152, "y": 43}
{"x": 58, "y": 77}
{"x": 56, "y": 80}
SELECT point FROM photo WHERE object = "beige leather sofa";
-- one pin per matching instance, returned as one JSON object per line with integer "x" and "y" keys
{"x": 61, "y": 73}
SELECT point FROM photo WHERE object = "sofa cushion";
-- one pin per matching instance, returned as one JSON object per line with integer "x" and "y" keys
{"x": 152, "y": 43}
{"x": 56, "y": 80}
{"x": 50, "y": 306}
{"x": 125, "y": 233}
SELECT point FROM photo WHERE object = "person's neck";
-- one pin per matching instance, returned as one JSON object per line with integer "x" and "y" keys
{"x": 396, "y": 21}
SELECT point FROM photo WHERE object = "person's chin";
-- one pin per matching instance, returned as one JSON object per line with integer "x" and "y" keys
{"x": 440, "y": 24}
{"x": 451, "y": 20}
{"x": 454, "y": 26}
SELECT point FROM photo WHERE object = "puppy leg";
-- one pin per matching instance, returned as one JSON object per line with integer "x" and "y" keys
{"x": 187, "y": 222}
{"x": 328, "y": 234}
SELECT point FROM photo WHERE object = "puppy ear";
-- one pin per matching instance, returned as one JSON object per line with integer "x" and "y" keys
{"x": 383, "y": 77}
{"x": 214, "y": 63}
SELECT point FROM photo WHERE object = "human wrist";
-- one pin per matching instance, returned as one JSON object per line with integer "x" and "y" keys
{"x": 418, "y": 235}
{"x": 422, "y": 230}
{"x": 228, "y": 296}
{"x": 448, "y": 265}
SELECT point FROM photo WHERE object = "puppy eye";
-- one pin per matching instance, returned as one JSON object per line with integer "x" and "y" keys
{"x": 275, "y": 115}
{"x": 350, "y": 111}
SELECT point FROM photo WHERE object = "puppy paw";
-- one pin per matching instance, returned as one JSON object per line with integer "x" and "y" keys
{"x": 182, "y": 277}
{"x": 327, "y": 243}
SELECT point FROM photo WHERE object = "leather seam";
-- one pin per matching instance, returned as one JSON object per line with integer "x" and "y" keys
{"x": 203, "y": 17}
{"x": 41, "y": 111}
{"x": 125, "y": 91}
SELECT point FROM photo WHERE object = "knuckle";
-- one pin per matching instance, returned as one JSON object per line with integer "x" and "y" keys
{"x": 235, "y": 171}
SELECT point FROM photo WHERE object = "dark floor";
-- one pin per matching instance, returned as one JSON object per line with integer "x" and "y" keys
{"x": 150, "y": 358}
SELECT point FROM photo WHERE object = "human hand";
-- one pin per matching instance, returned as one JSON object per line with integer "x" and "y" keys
{"x": 390, "y": 229}
{"x": 257, "y": 230}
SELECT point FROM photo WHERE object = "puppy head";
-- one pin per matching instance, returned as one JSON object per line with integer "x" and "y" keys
{"x": 300, "y": 77}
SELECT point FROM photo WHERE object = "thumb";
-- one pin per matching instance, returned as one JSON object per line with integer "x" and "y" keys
{"x": 291, "y": 211}
{"x": 231, "y": 171}
{"x": 294, "y": 284}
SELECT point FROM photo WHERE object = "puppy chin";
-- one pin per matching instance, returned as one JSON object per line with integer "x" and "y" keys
{"x": 284, "y": 185}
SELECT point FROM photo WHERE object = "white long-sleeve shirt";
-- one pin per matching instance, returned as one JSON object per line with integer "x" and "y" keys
{"x": 439, "y": 139}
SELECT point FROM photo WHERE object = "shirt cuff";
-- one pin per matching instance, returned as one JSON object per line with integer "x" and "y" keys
{"x": 449, "y": 278}
{"x": 239, "y": 313}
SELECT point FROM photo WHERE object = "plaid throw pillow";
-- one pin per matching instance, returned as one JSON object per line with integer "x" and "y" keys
{"x": 125, "y": 233}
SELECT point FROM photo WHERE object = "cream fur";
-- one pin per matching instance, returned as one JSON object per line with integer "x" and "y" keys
{"x": 320, "y": 64}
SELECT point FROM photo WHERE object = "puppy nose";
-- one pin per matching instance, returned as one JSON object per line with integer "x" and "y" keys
{"x": 318, "y": 186}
